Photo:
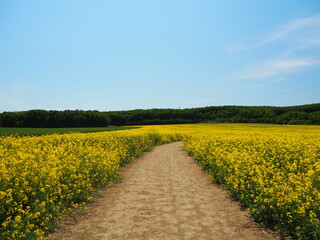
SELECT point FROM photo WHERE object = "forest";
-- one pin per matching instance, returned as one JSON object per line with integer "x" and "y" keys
{"x": 302, "y": 114}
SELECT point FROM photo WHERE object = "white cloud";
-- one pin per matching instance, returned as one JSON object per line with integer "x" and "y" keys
{"x": 274, "y": 67}
{"x": 309, "y": 41}
{"x": 295, "y": 37}
{"x": 312, "y": 22}
{"x": 304, "y": 32}
{"x": 264, "y": 84}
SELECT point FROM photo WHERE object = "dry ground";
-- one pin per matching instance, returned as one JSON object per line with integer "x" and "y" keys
{"x": 164, "y": 195}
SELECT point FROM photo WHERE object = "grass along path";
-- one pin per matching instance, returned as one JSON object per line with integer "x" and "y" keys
{"x": 4, "y": 131}
{"x": 164, "y": 195}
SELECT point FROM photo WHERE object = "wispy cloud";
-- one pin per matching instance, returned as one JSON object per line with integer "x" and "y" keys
{"x": 267, "y": 83}
{"x": 304, "y": 31}
{"x": 293, "y": 26}
{"x": 290, "y": 55}
{"x": 274, "y": 68}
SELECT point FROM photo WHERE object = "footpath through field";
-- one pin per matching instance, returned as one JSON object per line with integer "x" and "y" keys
{"x": 164, "y": 195}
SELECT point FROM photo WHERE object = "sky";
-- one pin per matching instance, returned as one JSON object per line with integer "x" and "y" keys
{"x": 121, "y": 55}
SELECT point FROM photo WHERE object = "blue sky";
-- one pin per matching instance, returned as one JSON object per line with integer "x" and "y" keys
{"x": 120, "y": 55}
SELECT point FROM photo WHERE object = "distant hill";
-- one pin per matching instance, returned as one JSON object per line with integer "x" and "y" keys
{"x": 302, "y": 114}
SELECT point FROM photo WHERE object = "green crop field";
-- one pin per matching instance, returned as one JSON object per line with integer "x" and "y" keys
{"x": 43, "y": 131}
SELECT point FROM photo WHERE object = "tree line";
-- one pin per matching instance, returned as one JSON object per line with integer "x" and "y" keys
{"x": 54, "y": 119}
{"x": 303, "y": 114}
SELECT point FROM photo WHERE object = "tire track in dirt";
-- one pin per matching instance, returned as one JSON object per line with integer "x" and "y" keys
{"x": 164, "y": 195}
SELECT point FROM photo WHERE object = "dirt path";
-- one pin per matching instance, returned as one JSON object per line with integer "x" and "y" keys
{"x": 164, "y": 195}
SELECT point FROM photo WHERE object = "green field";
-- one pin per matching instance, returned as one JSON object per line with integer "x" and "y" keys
{"x": 42, "y": 131}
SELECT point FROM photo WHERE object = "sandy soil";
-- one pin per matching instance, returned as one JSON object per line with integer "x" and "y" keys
{"x": 164, "y": 195}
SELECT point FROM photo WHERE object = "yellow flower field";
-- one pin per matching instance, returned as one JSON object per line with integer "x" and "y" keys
{"x": 42, "y": 177}
{"x": 274, "y": 170}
